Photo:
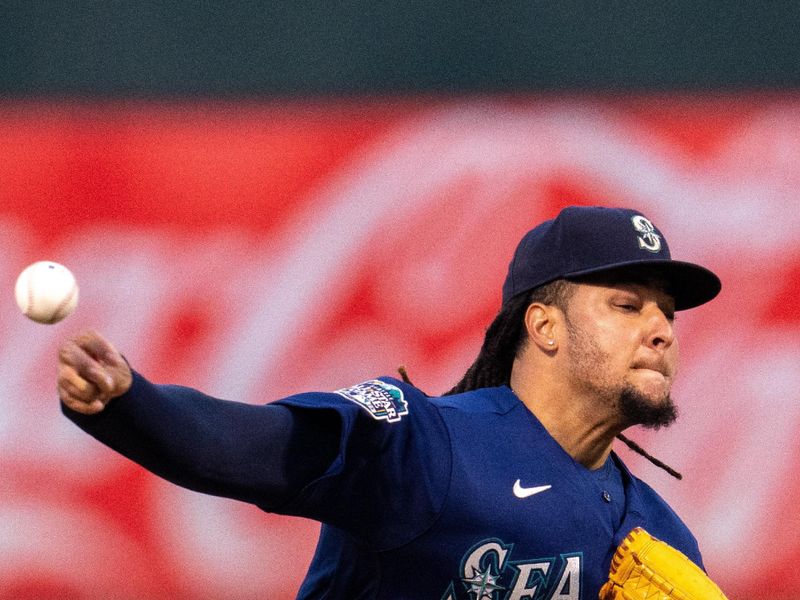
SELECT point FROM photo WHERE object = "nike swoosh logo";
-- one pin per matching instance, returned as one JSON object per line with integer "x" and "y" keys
{"x": 523, "y": 492}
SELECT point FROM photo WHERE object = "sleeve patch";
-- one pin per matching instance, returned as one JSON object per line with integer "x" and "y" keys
{"x": 383, "y": 401}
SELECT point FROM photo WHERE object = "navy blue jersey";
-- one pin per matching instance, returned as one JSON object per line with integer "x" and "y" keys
{"x": 463, "y": 497}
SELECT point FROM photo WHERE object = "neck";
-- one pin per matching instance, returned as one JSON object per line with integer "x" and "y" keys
{"x": 580, "y": 423}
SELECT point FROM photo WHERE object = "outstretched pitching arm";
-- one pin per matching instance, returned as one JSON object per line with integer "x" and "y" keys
{"x": 262, "y": 454}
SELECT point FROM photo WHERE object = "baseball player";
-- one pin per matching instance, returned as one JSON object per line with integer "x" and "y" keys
{"x": 506, "y": 487}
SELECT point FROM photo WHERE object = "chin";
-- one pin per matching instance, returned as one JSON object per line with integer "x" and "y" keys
{"x": 653, "y": 410}
{"x": 652, "y": 384}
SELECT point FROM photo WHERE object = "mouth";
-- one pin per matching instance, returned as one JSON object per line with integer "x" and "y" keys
{"x": 654, "y": 369}
{"x": 659, "y": 369}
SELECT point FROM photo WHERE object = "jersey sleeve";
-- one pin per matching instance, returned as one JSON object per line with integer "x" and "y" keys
{"x": 392, "y": 472}
{"x": 215, "y": 446}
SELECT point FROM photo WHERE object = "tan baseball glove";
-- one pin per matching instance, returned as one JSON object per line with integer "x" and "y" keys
{"x": 644, "y": 568}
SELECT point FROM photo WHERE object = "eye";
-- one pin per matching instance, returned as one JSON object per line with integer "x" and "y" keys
{"x": 626, "y": 302}
{"x": 627, "y": 307}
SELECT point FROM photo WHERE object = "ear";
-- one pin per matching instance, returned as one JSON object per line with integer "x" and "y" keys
{"x": 540, "y": 322}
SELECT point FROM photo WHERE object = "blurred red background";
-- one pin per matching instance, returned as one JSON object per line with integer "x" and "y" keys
{"x": 256, "y": 250}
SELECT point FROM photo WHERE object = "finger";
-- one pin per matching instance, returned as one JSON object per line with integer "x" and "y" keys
{"x": 101, "y": 378}
{"x": 80, "y": 389}
{"x": 99, "y": 348}
{"x": 68, "y": 374}
{"x": 73, "y": 403}
{"x": 82, "y": 365}
{"x": 72, "y": 353}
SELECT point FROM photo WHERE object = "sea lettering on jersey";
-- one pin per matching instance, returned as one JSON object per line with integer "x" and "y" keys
{"x": 489, "y": 573}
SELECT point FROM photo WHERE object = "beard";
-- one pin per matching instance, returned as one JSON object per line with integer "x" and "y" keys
{"x": 638, "y": 409}
{"x": 634, "y": 406}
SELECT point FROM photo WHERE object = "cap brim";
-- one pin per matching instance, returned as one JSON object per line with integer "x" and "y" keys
{"x": 691, "y": 285}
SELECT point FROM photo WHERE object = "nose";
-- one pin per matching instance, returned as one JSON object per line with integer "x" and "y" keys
{"x": 660, "y": 330}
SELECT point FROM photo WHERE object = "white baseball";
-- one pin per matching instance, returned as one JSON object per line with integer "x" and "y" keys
{"x": 46, "y": 292}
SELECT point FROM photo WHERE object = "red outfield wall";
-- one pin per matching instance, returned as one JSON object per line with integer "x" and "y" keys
{"x": 257, "y": 250}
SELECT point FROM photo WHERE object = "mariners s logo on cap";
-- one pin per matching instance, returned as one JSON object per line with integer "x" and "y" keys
{"x": 649, "y": 240}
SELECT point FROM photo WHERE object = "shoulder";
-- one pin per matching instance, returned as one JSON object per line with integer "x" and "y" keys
{"x": 661, "y": 520}
{"x": 495, "y": 400}
{"x": 392, "y": 438}
{"x": 395, "y": 396}
{"x": 383, "y": 399}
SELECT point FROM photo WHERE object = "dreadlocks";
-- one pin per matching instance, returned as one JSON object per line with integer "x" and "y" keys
{"x": 506, "y": 336}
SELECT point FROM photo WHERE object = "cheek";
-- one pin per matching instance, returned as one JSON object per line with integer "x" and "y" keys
{"x": 618, "y": 343}
{"x": 614, "y": 353}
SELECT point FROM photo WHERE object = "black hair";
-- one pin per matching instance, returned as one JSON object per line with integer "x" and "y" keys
{"x": 506, "y": 336}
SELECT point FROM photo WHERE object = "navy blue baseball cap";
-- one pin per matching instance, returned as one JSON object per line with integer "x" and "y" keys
{"x": 584, "y": 240}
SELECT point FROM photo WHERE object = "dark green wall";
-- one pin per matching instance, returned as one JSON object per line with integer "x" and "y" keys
{"x": 289, "y": 48}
